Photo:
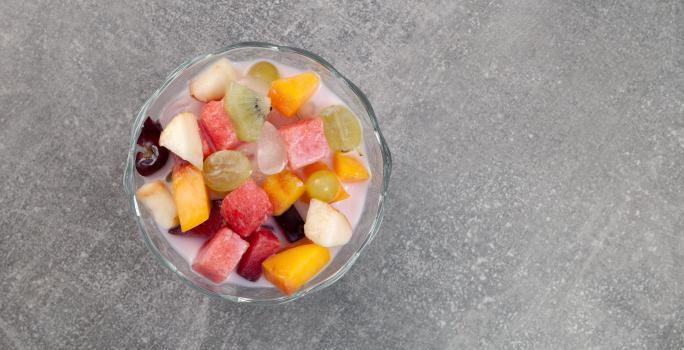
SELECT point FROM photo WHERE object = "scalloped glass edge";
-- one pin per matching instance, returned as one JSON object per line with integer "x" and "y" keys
{"x": 386, "y": 160}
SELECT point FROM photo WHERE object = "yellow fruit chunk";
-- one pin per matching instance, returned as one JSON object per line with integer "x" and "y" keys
{"x": 291, "y": 268}
{"x": 349, "y": 168}
{"x": 283, "y": 189}
{"x": 314, "y": 167}
{"x": 288, "y": 94}
{"x": 190, "y": 195}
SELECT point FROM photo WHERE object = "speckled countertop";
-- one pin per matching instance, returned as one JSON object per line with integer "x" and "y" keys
{"x": 536, "y": 201}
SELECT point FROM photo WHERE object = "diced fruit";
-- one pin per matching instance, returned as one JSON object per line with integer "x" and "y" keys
{"x": 246, "y": 208}
{"x": 226, "y": 170}
{"x": 305, "y": 142}
{"x": 323, "y": 185}
{"x": 219, "y": 255}
{"x": 318, "y": 166}
{"x": 153, "y": 157}
{"x": 314, "y": 167}
{"x": 288, "y": 94}
{"x": 291, "y": 223}
{"x": 271, "y": 153}
{"x": 207, "y": 228}
{"x": 218, "y": 126}
{"x": 190, "y": 195}
{"x": 207, "y": 145}
{"x": 262, "y": 244}
{"x": 290, "y": 269}
{"x": 156, "y": 198}
{"x": 349, "y": 168}
{"x": 182, "y": 137}
{"x": 342, "y": 128}
{"x": 247, "y": 111}
{"x": 264, "y": 72}
{"x": 211, "y": 83}
{"x": 326, "y": 226}
{"x": 283, "y": 189}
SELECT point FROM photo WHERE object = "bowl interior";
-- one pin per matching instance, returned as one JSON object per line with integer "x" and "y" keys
{"x": 375, "y": 148}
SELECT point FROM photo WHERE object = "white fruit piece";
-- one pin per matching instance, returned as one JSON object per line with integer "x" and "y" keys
{"x": 326, "y": 226}
{"x": 182, "y": 137}
{"x": 159, "y": 202}
{"x": 271, "y": 152}
{"x": 211, "y": 83}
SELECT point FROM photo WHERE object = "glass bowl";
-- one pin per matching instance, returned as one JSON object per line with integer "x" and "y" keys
{"x": 378, "y": 154}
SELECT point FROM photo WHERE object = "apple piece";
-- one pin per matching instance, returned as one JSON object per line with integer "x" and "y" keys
{"x": 211, "y": 83}
{"x": 182, "y": 137}
{"x": 158, "y": 200}
{"x": 326, "y": 226}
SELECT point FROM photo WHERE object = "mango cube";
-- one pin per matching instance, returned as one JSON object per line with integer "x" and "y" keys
{"x": 290, "y": 269}
{"x": 190, "y": 195}
{"x": 288, "y": 94}
{"x": 283, "y": 189}
{"x": 349, "y": 168}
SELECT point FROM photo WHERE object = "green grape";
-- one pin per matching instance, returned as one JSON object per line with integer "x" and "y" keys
{"x": 342, "y": 128}
{"x": 264, "y": 72}
{"x": 323, "y": 185}
{"x": 226, "y": 170}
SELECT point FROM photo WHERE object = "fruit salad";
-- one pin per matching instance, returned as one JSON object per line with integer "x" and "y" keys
{"x": 255, "y": 174}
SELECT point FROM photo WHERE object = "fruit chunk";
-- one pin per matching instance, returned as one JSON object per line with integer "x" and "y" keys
{"x": 271, "y": 153}
{"x": 207, "y": 228}
{"x": 190, "y": 195}
{"x": 219, "y": 255}
{"x": 323, "y": 185}
{"x": 218, "y": 126}
{"x": 152, "y": 157}
{"x": 342, "y": 128}
{"x": 349, "y": 168}
{"x": 247, "y": 111}
{"x": 182, "y": 137}
{"x": 226, "y": 170}
{"x": 207, "y": 145}
{"x": 158, "y": 201}
{"x": 283, "y": 189}
{"x": 305, "y": 142}
{"x": 326, "y": 226}
{"x": 288, "y": 94}
{"x": 211, "y": 83}
{"x": 246, "y": 208}
{"x": 291, "y": 268}
{"x": 291, "y": 223}
{"x": 264, "y": 72}
{"x": 262, "y": 244}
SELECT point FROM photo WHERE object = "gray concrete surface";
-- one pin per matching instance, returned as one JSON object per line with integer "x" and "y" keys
{"x": 536, "y": 199}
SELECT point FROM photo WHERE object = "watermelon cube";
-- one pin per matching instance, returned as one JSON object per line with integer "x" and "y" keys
{"x": 218, "y": 126}
{"x": 219, "y": 255}
{"x": 262, "y": 244}
{"x": 305, "y": 142}
{"x": 246, "y": 208}
{"x": 207, "y": 145}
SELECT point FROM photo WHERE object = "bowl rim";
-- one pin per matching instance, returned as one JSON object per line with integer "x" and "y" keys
{"x": 128, "y": 182}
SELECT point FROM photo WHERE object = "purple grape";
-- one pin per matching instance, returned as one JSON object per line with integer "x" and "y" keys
{"x": 291, "y": 223}
{"x": 150, "y": 159}
{"x": 150, "y": 132}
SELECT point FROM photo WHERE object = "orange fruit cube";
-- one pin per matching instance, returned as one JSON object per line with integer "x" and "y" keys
{"x": 348, "y": 168}
{"x": 190, "y": 195}
{"x": 288, "y": 94}
{"x": 283, "y": 189}
{"x": 290, "y": 269}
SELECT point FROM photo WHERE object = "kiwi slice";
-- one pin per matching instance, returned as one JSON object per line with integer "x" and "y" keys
{"x": 247, "y": 110}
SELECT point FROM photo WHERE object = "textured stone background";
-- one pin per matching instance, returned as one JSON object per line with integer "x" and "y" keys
{"x": 536, "y": 201}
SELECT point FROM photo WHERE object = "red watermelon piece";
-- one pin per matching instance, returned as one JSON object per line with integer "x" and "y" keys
{"x": 207, "y": 145}
{"x": 262, "y": 244}
{"x": 246, "y": 208}
{"x": 219, "y": 255}
{"x": 218, "y": 126}
{"x": 305, "y": 142}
